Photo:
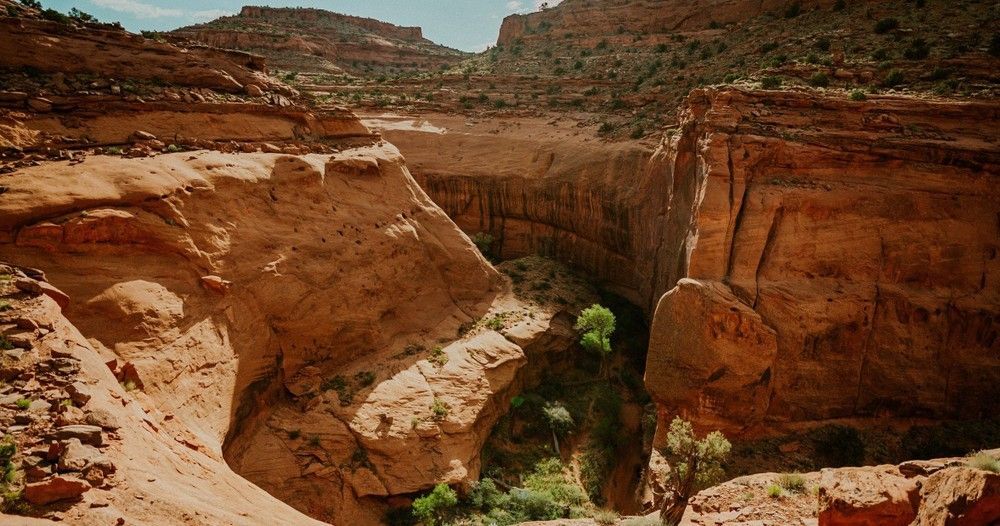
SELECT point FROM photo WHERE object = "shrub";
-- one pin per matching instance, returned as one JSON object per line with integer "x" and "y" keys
{"x": 294, "y": 434}
{"x": 774, "y": 491}
{"x": 483, "y": 242}
{"x": 918, "y": 49}
{"x": 55, "y": 16}
{"x": 559, "y": 420}
{"x": 602, "y": 45}
{"x": 770, "y": 82}
{"x": 366, "y": 378}
{"x": 886, "y": 25}
{"x": 985, "y": 462}
{"x": 438, "y": 356}
{"x": 34, "y": 4}
{"x": 638, "y": 132}
{"x": 894, "y": 78}
{"x": 792, "y": 482}
{"x": 768, "y": 47}
{"x": 793, "y": 10}
{"x": 605, "y": 517}
{"x": 858, "y": 95}
{"x": 5, "y": 344}
{"x": 495, "y": 322}
{"x": 23, "y": 403}
{"x": 605, "y": 128}
{"x": 822, "y": 44}
{"x": 819, "y": 80}
{"x": 695, "y": 464}
{"x": 76, "y": 14}
{"x": 439, "y": 408}
{"x": 435, "y": 506}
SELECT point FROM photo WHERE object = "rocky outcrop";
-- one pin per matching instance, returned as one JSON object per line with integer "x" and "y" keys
{"x": 940, "y": 491}
{"x": 828, "y": 235}
{"x": 263, "y": 309}
{"x": 596, "y": 18}
{"x": 111, "y": 52}
{"x": 314, "y": 40}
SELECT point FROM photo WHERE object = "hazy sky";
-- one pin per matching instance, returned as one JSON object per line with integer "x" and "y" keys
{"x": 469, "y": 25}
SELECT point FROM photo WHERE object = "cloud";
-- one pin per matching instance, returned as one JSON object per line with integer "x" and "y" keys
{"x": 514, "y": 5}
{"x": 551, "y": 3}
{"x": 211, "y": 14}
{"x": 137, "y": 9}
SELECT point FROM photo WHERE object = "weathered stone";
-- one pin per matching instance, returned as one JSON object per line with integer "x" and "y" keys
{"x": 867, "y": 497}
{"x": 88, "y": 434}
{"x": 54, "y": 489}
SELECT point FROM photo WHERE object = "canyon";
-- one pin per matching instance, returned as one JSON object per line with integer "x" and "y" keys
{"x": 236, "y": 296}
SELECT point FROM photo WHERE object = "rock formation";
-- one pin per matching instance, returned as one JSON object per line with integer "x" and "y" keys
{"x": 766, "y": 199}
{"x": 318, "y": 41}
{"x": 940, "y": 491}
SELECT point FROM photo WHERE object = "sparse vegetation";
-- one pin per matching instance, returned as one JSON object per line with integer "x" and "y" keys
{"x": 819, "y": 80}
{"x": 774, "y": 491}
{"x": 793, "y": 482}
{"x": 438, "y": 356}
{"x": 23, "y": 403}
{"x": 886, "y": 25}
{"x": 432, "y": 509}
{"x": 439, "y": 408}
{"x": 483, "y": 242}
{"x": 770, "y": 82}
{"x": 605, "y": 517}
{"x": 985, "y": 462}
{"x": 858, "y": 95}
{"x": 559, "y": 420}
{"x": 695, "y": 464}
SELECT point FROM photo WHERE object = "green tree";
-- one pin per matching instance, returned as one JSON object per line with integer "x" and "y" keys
{"x": 598, "y": 323}
{"x": 695, "y": 464}
{"x": 559, "y": 420}
{"x": 432, "y": 507}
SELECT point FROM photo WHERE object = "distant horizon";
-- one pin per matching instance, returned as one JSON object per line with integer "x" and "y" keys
{"x": 470, "y": 25}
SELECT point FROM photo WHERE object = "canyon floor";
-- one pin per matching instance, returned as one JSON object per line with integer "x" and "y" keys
{"x": 297, "y": 267}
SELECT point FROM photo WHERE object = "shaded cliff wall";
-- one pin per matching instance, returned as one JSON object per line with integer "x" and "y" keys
{"x": 843, "y": 256}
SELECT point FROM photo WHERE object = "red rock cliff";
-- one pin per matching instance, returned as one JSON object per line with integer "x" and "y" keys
{"x": 843, "y": 259}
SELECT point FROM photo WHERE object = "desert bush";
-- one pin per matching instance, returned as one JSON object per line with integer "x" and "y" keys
{"x": 434, "y": 507}
{"x": 774, "y": 491}
{"x": 886, "y": 25}
{"x": 918, "y": 49}
{"x": 819, "y": 80}
{"x": 695, "y": 464}
{"x": 985, "y": 462}
{"x": 792, "y": 482}
{"x": 439, "y": 408}
{"x": 858, "y": 95}
{"x": 605, "y": 517}
{"x": 770, "y": 82}
{"x": 483, "y": 242}
{"x": 894, "y": 78}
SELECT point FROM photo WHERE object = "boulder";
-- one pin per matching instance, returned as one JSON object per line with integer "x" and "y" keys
{"x": 54, "y": 489}
{"x": 87, "y": 434}
{"x": 253, "y": 90}
{"x": 76, "y": 456}
{"x": 960, "y": 496}
{"x": 867, "y": 496}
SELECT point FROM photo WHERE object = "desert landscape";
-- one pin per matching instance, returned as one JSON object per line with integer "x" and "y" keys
{"x": 636, "y": 263}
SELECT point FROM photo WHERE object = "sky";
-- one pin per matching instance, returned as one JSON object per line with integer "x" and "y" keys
{"x": 469, "y": 25}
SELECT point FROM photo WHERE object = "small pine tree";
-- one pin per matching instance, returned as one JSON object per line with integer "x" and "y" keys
{"x": 695, "y": 464}
{"x": 559, "y": 420}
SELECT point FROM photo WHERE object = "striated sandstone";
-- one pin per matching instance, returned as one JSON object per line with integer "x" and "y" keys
{"x": 861, "y": 234}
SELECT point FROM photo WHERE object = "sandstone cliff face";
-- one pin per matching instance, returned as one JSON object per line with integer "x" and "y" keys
{"x": 241, "y": 287}
{"x": 584, "y": 202}
{"x": 843, "y": 259}
{"x": 821, "y": 235}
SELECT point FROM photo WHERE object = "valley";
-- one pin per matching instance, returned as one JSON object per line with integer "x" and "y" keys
{"x": 303, "y": 267}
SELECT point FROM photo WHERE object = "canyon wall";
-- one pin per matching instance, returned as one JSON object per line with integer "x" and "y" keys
{"x": 281, "y": 310}
{"x": 805, "y": 234}
{"x": 842, "y": 261}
